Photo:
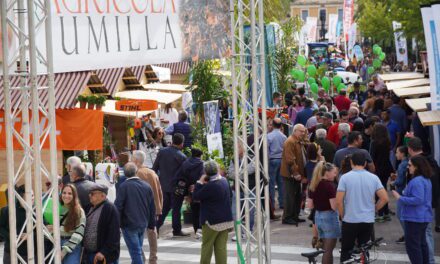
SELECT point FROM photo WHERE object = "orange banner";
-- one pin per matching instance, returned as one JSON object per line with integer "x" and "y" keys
{"x": 77, "y": 129}
{"x": 136, "y": 105}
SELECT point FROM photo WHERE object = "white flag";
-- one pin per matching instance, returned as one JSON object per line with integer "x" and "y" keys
{"x": 312, "y": 25}
{"x": 332, "y": 25}
{"x": 400, "y": 42}
{"x": 351, "y": 40}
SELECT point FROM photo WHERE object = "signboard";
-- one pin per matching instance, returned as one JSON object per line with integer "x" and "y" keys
{"x": 136, "y": 105}
{"x": 400, "y": 42}
{"x": 312, "y": 25}
{"x": 348, "y": 16}
{"x": 352, "y": 40}
{"x": 90, "y": 35}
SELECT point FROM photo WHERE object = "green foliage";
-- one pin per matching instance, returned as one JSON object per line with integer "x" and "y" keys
{"x": 205, "y": 86}
{"x": 375, "y": 18}
{"x": 100, "y": 100}
{"x": 81, "y": 98}
{"x": 91, "y": 99}
{"x": 285, "y": 56}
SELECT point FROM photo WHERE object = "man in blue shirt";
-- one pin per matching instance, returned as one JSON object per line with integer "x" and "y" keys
{"x": 398, "y": 114}
{"x": 395, "y": 134}
{"x": 305, "y": 114}
{"x": 135, "y": 203}
{"x": 275, "y": 142}
{"x": 166, "y": 165}
{"x": 355, "y": 202}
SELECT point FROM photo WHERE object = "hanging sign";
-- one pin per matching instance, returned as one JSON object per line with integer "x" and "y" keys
{"x": 136, "y": 105}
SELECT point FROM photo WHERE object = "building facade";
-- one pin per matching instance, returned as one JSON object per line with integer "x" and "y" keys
{"x": 321, "y": 9}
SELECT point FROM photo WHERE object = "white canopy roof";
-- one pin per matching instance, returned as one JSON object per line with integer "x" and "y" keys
{"x": 418, "y": 104}
{"x": 430, "y": 118}
{"x": 400, "y": 76}
{"x": 413, "y": 91}
{"x": 166, "y": 87}
{"x": 408, "y": 83}
{"x": 109, "y": 109}
{"x": 164, "y": 98}
{"x": 163, "y": 74}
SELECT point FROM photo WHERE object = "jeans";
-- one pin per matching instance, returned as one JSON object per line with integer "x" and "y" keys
{"x": 430, "y": 243}
{"x": 171, "y": 201}
{"x": 134, "y": 238}
{"x": 275, "y": 178}
{"x": 73, "y": 257}
{"x": 416, "y": 242}
{"x": 213, "y": 241}
{"x": 352, "y": 232}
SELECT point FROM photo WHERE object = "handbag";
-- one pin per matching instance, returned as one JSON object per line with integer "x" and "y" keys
{"x": 96, "y": 261}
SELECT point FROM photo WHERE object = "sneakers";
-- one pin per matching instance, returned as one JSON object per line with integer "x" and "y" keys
{"x": 380, "y": 219}
{"x": 401, "y": 240}
{"x": 198, "y": 235}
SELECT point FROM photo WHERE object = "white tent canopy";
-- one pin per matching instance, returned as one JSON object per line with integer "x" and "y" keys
{"x": 413, "y": 91}
{"x": 163, "y": 74}
{"x": 400, "y": 76}
{"x": 166, "y": 87}
{"x": 164, "y": 98}
{"x": 408, "y": 83}
{"x": 418, "y": 104}
{"x": 109, "y": 109}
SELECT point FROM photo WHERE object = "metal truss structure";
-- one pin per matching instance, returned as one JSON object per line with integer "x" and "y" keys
{"x": 249, "y": 108}
{"x": 24, "y": 104}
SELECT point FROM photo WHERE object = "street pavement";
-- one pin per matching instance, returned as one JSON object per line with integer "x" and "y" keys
{"x": 287, "y": 244}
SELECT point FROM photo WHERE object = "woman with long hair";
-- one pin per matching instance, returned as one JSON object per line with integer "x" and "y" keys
{"x": 72, "y": 225}
{"x": 159, "y": 137}
{"x": 380, "y": 153}
{"x": 323, "y": 200}
{"x": 416, "y": 209}
{"x": 169, "y": 115}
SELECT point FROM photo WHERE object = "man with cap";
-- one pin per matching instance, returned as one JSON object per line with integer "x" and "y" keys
{"x": 135, "y": 203}
{"x": 102, "y": 236}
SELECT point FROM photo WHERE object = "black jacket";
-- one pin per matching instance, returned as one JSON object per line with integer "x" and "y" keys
{"x": 109, "y": 236}
{"x": 166, "y": 165}
{"x": 83, "y": 186}
{"x": 191, "y": 170}
{"x": 20, "y": 213}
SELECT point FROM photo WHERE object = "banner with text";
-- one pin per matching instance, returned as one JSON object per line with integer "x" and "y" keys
{"x": 91, "y": 35}
{"x": 348, "y": 16}
{"x": 77, "y": 129}
{"x": 400, "y": 42}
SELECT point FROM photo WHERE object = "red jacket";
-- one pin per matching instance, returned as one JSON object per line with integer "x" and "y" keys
{"x": 342, "y": 102}
{"x": 332, "y": 133}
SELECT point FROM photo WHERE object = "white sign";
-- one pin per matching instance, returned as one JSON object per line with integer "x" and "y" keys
{"x": 121, "y": 33}
{"x": 351, "y": 40}
{"x": 332, "y": 25}
{"x": 215, "y": 143}
{"x": 400, "y": 42}
{"x": 312, "y": 25}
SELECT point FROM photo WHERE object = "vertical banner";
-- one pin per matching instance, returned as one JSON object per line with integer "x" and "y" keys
{"x": 348, "y": 16}
{"x": 432, "y": 48}
{"x": 351, "y": 40}
{"x": 400, "y": 42}
{"x": 332, "y": 26}
{"x": 312, "y": 25}
{"x": 213, "y": 129}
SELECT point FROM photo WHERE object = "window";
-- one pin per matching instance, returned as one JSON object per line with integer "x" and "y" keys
{"x": 304, "y": 15}
{"x": 340, "y": 14}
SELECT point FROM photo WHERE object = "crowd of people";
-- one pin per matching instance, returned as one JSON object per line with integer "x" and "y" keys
{"x": 338, "y": 157}
{"x": 334, "y": 160}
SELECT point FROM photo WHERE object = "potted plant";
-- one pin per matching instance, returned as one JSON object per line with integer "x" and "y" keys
{"x": 91, "y": 102}
{"x": 82, "y": 101}
{"x": 99, "y": 102}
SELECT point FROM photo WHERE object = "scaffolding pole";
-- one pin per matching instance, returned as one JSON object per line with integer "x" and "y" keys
{"x": 250, "y": 148}
{"x": 23, "y": 23}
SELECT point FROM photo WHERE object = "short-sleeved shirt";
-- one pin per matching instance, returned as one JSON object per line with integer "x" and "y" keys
{"x": 325, "y": 191}
{"x": 360, "y": 187}
{"x": 342, "y": 153}
{"x": 393, "y": 129}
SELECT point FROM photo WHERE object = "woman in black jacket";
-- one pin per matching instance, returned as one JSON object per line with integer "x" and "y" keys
{"x": 380, "y": 153}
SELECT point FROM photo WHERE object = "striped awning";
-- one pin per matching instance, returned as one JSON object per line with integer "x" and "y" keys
{"x": 110, "y": 78}
{"x": 138, "y": 71}
{"x": 177, "y": 68}
{"x": 67, "y": 87}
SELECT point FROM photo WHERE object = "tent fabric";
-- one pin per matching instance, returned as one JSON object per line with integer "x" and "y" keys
{"x": 67, "y": 87}
{"x": 177, "y": 68}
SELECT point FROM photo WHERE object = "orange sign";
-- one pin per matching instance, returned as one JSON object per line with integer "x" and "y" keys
{"x": 136, "y": 105}
{"x": 77, "y": 129}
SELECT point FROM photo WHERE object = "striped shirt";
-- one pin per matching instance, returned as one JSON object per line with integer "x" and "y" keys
{"x": 75, "y": 236}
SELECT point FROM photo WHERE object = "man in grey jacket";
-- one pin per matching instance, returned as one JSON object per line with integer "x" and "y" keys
{"x": 83, "y": 186}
